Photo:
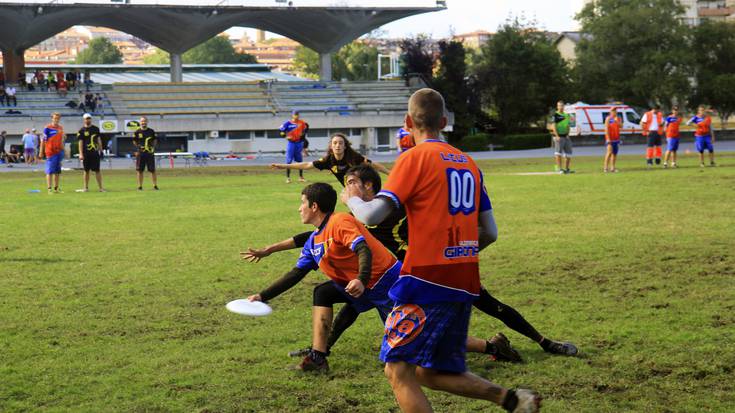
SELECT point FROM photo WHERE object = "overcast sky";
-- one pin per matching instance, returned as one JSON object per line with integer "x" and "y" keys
{"x": 464, "y": 16}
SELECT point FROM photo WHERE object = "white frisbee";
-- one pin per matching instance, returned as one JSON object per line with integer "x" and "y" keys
{"x": 252, "y": 308}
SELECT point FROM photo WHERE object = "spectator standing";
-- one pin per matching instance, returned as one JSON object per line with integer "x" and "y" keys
{"x": 99, "y": 101}
{"x": 3, "y": 155}
{"x": 2, "y": 96}
{"x": 89, "y": 102}
{"x": 70, "y": 79}
{"x": 10, "y": 95}
{"x": 22, "y": 80}
{"x": 62, "y": 88}
{"x": 29, "y": 147}
{"x": 51, "y": 80}
{"x": 2, "y": 79}
{"x": 560, "y": 126}
{"x": 87, "y": 80}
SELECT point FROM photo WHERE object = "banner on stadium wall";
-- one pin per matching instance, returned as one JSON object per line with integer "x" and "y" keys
{"x": 131, "y": 125}
{"x": 108, "y": 126}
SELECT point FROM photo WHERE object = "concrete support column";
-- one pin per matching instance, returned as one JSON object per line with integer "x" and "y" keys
{"x": 325, "y": 67}
{"x": 177, "y": 68}
{"x": 13, "y": 63}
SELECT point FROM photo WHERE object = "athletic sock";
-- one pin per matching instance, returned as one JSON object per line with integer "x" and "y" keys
{"x": 545, "y": 344}
{"x": 318, "y": 357}
{"x": 511, "y": 401}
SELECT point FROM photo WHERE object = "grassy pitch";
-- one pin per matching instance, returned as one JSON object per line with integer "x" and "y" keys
{"x": 115, "y": 301}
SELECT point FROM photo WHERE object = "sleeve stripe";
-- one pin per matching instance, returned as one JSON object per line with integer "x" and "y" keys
{"x": 392, "y": 196}
{"x": 356, "y": 241}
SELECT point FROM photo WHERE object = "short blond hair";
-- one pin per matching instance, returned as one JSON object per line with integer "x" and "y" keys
{"x": 55, "y": 114}
{"x": 426, "y": 108}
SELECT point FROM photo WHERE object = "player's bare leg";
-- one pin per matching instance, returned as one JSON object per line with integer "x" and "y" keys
{"x": 712, "y": 158}
{"x": 154, "y": 177}
{"x": 498, "y": 348}
{"x": 558, "y": 162}
{"x": 406, "y": 387}
{"x": 316, "y": 360}
{"x": 98, "y": 177}
{"x": 321, "y": 318}
{"x": 606, "y": 162}
{"x": 140, "y": 180}
{"x": 86, "y": 180}
{"x": 701, "y": 159}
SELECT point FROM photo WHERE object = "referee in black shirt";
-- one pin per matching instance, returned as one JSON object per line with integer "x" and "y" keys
{"x": 144, "y": 140}
{"x": 90, "y": 148}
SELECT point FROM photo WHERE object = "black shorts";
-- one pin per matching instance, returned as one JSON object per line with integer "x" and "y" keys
{"x": 145, "y": 160}
{"x": 91, "y": 161}
{"x": 654, "y": 139}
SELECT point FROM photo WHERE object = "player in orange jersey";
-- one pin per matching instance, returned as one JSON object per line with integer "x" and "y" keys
{"x": 425, "y": 336}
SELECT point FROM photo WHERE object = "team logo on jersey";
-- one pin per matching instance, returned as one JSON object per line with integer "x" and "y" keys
{"x": 404, "y": 324}
{"x": 464, "y": 249}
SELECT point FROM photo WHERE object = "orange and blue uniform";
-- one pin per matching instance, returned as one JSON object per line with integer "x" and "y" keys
{"x": 53, "y": 144}
{"x": 331, "y": 248}
{"x": 405, "y": 140}
{"x": 672, "y": 132}
{"x": 613, "y": 133}
{"x": 443, "y": 193}
{"x": 703, "y": 133}
{"x": 295, "y": 131}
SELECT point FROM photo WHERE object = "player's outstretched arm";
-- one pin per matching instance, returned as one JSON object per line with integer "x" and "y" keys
{"x": 295, "y": 165}
{"x": 256, "y": 254}
{"x": 380, "y": 168}
{"x": 297, "y": 241}
{"x": 281, "y": 285}
{"x": 488, "y": 230}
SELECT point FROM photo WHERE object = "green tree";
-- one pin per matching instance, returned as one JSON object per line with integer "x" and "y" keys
{"x": 354, "y": 61}
{"x": 418, "y": 56}
{"x": 520, "y": 75}
{"x": 714, "y": 68}
{"x": 636, "y": 51}
{"x": 452, "y": 82}
{"x": 217, "y": 50}
{"x": 100, "y": 51}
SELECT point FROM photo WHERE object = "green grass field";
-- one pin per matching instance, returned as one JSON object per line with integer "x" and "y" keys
{"x": 115, "y": 301}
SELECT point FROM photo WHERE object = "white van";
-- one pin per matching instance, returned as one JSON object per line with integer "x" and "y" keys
{"x": 589, "y": 119}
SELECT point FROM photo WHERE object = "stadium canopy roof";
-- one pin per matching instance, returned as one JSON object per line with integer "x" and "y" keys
{"x": 178, "y": 25}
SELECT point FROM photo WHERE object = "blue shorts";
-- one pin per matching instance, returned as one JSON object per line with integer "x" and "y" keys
{"x": 432, "y": 336}
{"x": 293, "y": 152}
{"x": 376, "y": 297}
{"x": 702, "y": 143}
{"x": 672, "y": 144}
{"x": 615, "y": 146}
{"x": 53, "y": 163}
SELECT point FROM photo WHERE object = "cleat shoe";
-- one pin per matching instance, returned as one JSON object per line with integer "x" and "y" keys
{"x": 666, "y": 165}
{"x": 701, "y": 165}
{"x": 562, "y": 348}
{"x": 568, "y": 171}
{"x": 288, "y": 180}
{"x": 155, "y": 187}
{"x": 300, "y": 353}
{"x": 712, "y": 164}
{"x": 604, "y": 170}
{"x": 140, "y": 188}
{"x": 503, "y": 350}
{"x": 302, "y": 180}
{"x": 309, "y": 365}
{"x": 528, "y": 401}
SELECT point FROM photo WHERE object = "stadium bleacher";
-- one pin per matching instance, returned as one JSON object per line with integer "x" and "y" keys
{"x": 43, "y": 103}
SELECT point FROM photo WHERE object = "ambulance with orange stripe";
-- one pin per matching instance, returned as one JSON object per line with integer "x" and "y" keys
{"x": 590, "y": 119}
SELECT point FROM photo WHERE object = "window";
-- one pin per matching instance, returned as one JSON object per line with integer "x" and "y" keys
{"x": 318, "y": 133}
{"x": 355, "y": 132}
{"x": 259, "y": 134}
{"x": 274, "y": 134}
{"x": 239, "y": 135}
{"x": 633, "y": 118}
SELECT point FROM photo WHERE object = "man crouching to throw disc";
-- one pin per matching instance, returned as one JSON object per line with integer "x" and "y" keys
{"x": 361, "y": 268}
